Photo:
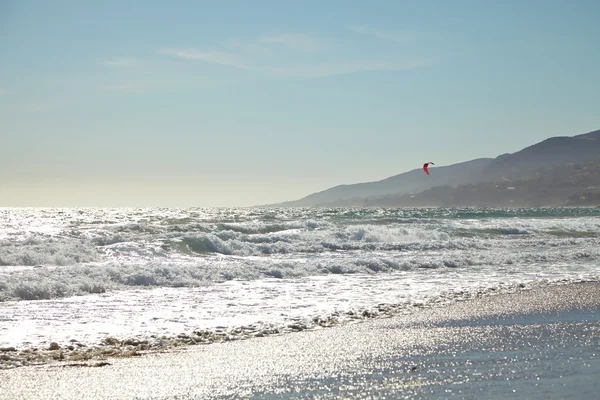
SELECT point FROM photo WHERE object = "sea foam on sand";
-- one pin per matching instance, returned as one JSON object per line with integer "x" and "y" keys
{"x": 541, "y": 343}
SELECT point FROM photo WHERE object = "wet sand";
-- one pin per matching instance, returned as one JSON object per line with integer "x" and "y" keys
{"x": 540, "y": 343}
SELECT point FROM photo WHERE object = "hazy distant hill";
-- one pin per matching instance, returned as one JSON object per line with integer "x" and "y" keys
{"x": 546, "y": 154}
{"x": 550, "y": 152}
{"x": 565, "y": 185}
{"x": 408, "y": 182}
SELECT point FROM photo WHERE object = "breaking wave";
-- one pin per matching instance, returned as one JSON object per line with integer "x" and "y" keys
{"x": 47, "y": 254}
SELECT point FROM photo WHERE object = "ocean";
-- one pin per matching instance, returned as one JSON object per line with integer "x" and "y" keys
{"x": 82, "y": 275}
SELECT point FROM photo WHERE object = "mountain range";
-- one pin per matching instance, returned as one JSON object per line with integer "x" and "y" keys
{"x": 554, "y": 163}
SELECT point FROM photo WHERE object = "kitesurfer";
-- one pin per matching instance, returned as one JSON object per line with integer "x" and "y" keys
{"x": 427, "y": 165}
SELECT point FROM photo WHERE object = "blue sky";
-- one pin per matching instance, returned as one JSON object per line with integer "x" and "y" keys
{"x": 234, "y": 103}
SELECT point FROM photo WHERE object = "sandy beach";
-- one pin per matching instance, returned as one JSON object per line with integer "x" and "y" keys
{"x": 539, "y": 343}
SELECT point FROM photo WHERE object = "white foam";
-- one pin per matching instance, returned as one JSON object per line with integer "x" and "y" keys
{"x": 128, "y": 272}
{"x": 269, "y": 302}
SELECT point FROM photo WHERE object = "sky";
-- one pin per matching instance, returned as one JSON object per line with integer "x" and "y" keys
{"x": 238, "y": 103}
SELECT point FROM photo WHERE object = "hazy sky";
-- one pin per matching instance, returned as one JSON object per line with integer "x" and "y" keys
{"x": 140, "y": 103}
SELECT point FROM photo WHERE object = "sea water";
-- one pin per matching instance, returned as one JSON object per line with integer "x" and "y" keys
{"x": 85, "y": 273}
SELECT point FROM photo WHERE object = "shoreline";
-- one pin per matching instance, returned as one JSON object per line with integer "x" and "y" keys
{"x": 75, "y": 353}
{"x": 404, "y": 344}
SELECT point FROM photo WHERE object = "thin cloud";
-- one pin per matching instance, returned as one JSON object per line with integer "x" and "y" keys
{"x": 301, "y": 71}
{"x": 124, "y": 87}
{"x": 158, "y": 84}
{"x": 207, "y": 56}
{"x": 387, "y": 35}
{"x": 234, "y": 43}
{"x": 5, "y": 92}
{"x": 262, "y": 58}
{"x": 332, "y": 69}
{"x": 294, "y": 41}
{"x": 121, "y": 62}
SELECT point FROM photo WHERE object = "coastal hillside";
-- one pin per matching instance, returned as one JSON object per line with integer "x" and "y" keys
{"x": 575, "y": 184}
{"x": 549, "y": 153}
{"x": 408, "y": 182}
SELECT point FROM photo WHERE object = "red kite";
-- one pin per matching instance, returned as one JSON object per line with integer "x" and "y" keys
{"x": 425, "y": 167}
